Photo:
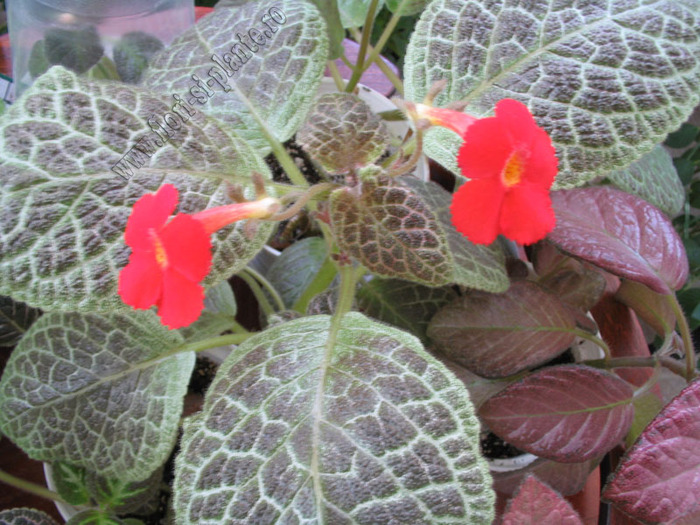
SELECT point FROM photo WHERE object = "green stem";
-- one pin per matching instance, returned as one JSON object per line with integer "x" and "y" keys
{"x": 255, "y": 280}
{"x": 386, "y": 34}
{"x": 596, "y": 340}
{"x": 339, "y": 82}
{"x": 237, "y": 328}
{"x": 364, "y": 42}
{"x": 278, "y": 148}
{"x": 214, "y": 342}
{"x": 321, "y": 282}
{"x": 388, "y": 72}
{"x": 673, "y": 365}
{"x": 685, "y": 335}
{"x": 28, "y": 486}
{"x": 346, "y": 293}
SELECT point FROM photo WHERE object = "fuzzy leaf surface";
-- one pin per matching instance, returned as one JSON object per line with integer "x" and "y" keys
{"x": 658, "y": 480}
{"x": 398, "y": 229}
{"x": 607, "y": 79}
{"x": 653, "y": 178}
{"x": 406, "y": 305}
{"x": 353, "y": 13}
{"x": 311, "y": 423}
{"x": 622, "y": 234}
{"x": 64, "y": 209}
{"x": 566, "y": 413}
{"x": 15, "y": 320}
{"x": 279, "y": 73}
{"x": 25, "y": 517}
{"x": 296, "y": 268}
{"x": 497, "y": 335}
{"x": 537, "y": 504}
{"x": 72, "y": 379}
{"x": 342, "y": 133}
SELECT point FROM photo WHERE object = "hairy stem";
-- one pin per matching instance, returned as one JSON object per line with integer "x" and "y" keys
{"x": 388, "y": 72}
{"x": 673, "y": 365}
{"x": 335, "y": 74}
{"x": 28, "y": 486}
{"x": 278, "y": 148}
{"x": 685, "y": 334}
{"x": 364, "y": 42}
{"x": 257, "y": 282}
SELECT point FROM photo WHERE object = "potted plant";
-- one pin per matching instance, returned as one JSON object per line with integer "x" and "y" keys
{"x": 407, "y": 319}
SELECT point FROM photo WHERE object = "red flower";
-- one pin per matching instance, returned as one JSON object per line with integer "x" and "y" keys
{"x": 511, "y": 164}
{"x": 167, "y": 260}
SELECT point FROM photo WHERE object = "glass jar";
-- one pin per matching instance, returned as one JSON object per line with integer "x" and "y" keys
{"x": 100, "y": 38}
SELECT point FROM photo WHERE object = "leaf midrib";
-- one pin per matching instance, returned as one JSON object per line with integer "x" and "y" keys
{"x": 488, "y": 83}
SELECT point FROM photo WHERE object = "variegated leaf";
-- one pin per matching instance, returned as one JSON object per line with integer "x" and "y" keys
{"x": 66, "y": 191}
{"x": 274, "y": 51}
{"x": 607, "y": 79}
{"x": 313, "y": 423}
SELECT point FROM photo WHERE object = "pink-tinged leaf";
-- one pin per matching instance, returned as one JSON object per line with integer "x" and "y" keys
{"x": 568, "y": 413}
{"x": 537, "y": 504}
{"x": 622, "y": 234}
{"x": 566, "y": 478}
{"x": 658, "y": 480}
{"x": 497, "y": 335}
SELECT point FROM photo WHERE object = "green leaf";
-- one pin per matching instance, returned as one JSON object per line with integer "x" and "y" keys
{"x": 497, "y": 335}
{"x": 38, "y": 63}
{"x": 124, "y": 497}
{"x": 96, "y": 392}
{"x": 294, "y": 270}
{"x": 334, "y": 27}
{"x": 653, "y": 178}
{"x": 685, "y": 169}
{"x": 75, "y": 49}
{"x": 132, "y": 54}
{"x": 70, "y": 482}
{"x": 15, "y": 320}
{"x": 353, "y": 423}
{"x": 105, "y": 69}
{"x": 64, "y": 208}
{"x": 606, "y": 79}
{"x": 406, "y": 305}
{"x": 646, "y": 407}
{"x": 353, "y": 13}
{"x": 280, "y": 74}
{"x": 400, "y": 228}
{"x": 342, "y": 133}
{"x": 406, "y": 7}
{"x": 220, "y": 299}
{"x": 93, "y": 517}
{"x": 683, "y": 136}
{"x": 25, "y": 517}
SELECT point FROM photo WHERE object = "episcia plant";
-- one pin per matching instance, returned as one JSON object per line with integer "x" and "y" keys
{"x": 408, "y": 321}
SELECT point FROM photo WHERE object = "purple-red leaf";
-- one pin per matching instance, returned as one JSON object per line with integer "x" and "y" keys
{"x": 537, "y": 504}
{"x": 566, "y": 478}
{"x": 658, "y": 481}
{"x": 568, "y": 413}
{"x": 497, "y": 335}
{"x": 620, "y": 233}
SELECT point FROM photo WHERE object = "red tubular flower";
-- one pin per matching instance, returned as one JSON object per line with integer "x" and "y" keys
{"x": 169, "y": 259}
{"x": 511, "y": 164}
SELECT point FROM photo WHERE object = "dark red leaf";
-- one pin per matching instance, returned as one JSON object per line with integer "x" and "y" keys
{"x": 497, "y": 335}
{"x": 568, "y": 413}
{"x": 622, "y": 234}
{"x": 537, "y": 504}
{"x": 658, "y": 480}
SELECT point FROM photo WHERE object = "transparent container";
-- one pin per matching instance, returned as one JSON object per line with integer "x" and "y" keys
{"x": 112, "y": 39}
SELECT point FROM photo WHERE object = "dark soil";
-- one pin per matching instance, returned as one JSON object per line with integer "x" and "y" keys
{"x": 494, "y": 447}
